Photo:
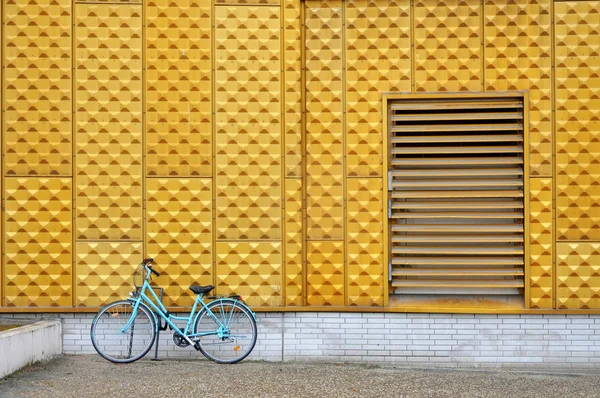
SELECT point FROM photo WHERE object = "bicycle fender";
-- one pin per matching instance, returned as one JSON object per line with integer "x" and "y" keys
{"x": 197, "y": 316}
{"x": 242, "y": 304}
{"x": 221, "y": 300}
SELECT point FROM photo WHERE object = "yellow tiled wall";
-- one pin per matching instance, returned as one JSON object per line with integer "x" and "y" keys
{"x": 240, "y": 142}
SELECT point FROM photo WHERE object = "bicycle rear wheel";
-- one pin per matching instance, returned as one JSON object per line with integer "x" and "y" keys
{"x": 116, "y": 345}
{"x": 235, "y": 331}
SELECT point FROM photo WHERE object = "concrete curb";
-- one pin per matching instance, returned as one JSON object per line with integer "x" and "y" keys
{"x": 28, "y": 344}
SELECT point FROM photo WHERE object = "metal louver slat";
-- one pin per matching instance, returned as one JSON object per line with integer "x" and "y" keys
{"x": 458, "y": 105}
{"x": 431, "y": 238}
{"x": 459, "y": 172}
{"x": 458, "y": 272}
{"x": 462, "y": 214}
{"x": 457, "y": 194}
{"x": 458, "y": 284}
{"x": 406, "y": 117}
{"x": 457, "y": 138}
{"x": 452, "y": 150}
{"x": 457, "y": 228}
{"x": 456, "y": 181}
{"x": 455, "y": 128}
{"x": 446, "y": 204}
{"x": 456, "y": 161}
{"x": 458, "y": 250}
{"x": 447, "y": 260}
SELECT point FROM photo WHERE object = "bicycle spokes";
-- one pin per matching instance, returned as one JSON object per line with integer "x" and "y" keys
{"x": 234, "y": 333}
{"x": 121, "y": 334}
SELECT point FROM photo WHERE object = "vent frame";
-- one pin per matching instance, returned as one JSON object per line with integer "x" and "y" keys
{"x": 388, "y": 99}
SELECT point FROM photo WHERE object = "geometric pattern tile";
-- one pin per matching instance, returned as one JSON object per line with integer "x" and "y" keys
{"x": 354, "y": 50}
{"x": 325, "y": 273}
{"x": 104, "y": 271}
{"x": 578, "y": 279}
{"x": 2, "y": 193}
{"x": 248, "y": 2}
{"x": 540, "y": 243}
{"x": 248, "y": 123}
{"x": 38, "y": 242}
{"x": 179, "y": 234}
{"x": 178, "y": 88}
{"x": 447, "y": 45}
{"x": 2, "y": 159}
{"x": 109, "y": 1}
{"x": 252, "y": 270}
{"x": 292, "y": 36}
{"x": 294, "y": 275}
{"x": 377, "y": 60}
{"x": 108, "y": 128}
{"x": 37, "y": 84}
{"x": 518, "y": 47}
{"x": 365, "y": 241}
{"x": 324, "y": 120}
{"x": 577, "y": 27}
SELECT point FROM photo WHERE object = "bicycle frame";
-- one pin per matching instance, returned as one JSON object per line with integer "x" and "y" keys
{"x": 168, "y": 317}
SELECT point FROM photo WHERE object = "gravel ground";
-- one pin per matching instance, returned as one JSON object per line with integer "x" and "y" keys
{"x": 91, "y": 376}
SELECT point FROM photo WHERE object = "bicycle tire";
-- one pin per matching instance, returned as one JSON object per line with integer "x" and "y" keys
{"x": 238, "y": 345}
{"x": 114, "y": 345}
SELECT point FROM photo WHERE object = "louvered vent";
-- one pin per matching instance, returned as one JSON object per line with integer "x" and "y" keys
{"x": 456, "y": 196}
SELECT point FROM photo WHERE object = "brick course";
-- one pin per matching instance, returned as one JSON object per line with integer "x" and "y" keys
{"x": 440, "y": 339}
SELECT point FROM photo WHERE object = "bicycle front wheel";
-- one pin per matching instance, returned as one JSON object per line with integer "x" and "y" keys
{"x": 114, "y": 341}
{"x": 233, "y": 331}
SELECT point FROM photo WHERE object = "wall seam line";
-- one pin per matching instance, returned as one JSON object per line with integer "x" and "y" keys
{"x": 73, "y": 154}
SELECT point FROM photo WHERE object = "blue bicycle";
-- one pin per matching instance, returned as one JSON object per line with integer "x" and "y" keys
{"x": 224, "y": 330}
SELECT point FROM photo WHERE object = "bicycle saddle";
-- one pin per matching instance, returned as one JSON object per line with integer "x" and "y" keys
{"x": 201, "y": 289}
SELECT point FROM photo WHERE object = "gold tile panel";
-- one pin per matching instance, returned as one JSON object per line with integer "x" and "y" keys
{"x": 378, "y": 60}
{"x": 124, "y": 2}
{"x": 2, "y": 258}
{"x": 294, "y": 275}
{"x": 541, "y": 238}
{"x": 179, "y": 234}
{"x": 178, "y": 89}
{"x": 365, "y": 241}
{"x": 254, "y": 63}
{"x": 104, "y": 271}
{"x": 247, "y": 2}
{"x": 292, "y": 38}
{"x": 252, "y": 270}
{"x": 325, "y": 268}
{"x": 325, "y": 195}
{"x": 518, "y": 48}
{"x": 578, "y": 279}
{"x": 447, "y": 45}
{"x": 324, "y": 119}
{"x": 37, "y": 84}
{"x": 577, "y": 108}
{"x": 38, "y": 242}
{"x": 248, "y": 123}
{"x": 108, "y": 122}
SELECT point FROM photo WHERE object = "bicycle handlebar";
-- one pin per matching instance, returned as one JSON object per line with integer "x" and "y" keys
{"x": 147, "y": 262}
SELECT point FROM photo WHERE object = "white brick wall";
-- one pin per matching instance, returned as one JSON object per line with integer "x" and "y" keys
{"x": 446, "y": 339}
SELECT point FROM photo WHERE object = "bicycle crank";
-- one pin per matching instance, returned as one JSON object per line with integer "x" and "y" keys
{"x": 180, "y": 341}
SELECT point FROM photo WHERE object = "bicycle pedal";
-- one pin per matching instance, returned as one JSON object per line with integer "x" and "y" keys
{"x": 197, "y": 345}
